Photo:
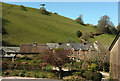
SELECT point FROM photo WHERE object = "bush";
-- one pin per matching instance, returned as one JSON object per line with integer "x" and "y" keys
{"x": 23, "y": 72}
{"x": 23, "y": 8}
{"x": 79, "y": 33}
{"x": 43, "y": 76}
{"x": 77, "y": 73}
{"x": 22, "y": 75}
{"x": 15, "y": 74}
{"x": 55, "y": 13}
{"x": 84, "y": 66}
{"x": 27, "y": 75}
{"x": 36, "y": 76}
{"x": 88, "y": 75}
{"x": 74, "y": 78}
{"x": 92, "y": 67}
{"x": 49, "y": 68}
{"x": 97, "y": 76}
{"x": 25, "y": 58}
{"x": 6, "y": 73}
{"x": 45, "y": 12}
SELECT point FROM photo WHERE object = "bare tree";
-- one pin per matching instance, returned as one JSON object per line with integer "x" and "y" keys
{"x": 118, "y": 27}
{"x": 80, "y": 20}
{"x": 100, "y": 56}
{"x": 58, "y": 58}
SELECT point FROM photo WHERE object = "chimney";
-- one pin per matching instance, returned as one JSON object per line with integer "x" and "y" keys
{"x": 58, "y": 43}
{"x": 35, "y": 43}
{"x": 83, "y": 41}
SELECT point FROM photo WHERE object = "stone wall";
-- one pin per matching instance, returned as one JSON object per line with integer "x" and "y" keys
{"x": 115, "y": 60}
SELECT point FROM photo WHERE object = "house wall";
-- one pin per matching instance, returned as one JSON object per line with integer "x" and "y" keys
{"x": 76, "y": 54}
{"x": 119, "y": 58}
{"x": 115, "y": 60}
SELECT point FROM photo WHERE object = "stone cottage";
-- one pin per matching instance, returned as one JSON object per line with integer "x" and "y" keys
{"x": 115, "y": 58}
{"x": 76, "y": 51}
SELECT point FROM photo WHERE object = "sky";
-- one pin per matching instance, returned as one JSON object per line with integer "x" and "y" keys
{"x": 91, "y": 11}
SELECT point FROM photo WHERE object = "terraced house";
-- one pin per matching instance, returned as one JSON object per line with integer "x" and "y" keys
{"x": 76, "y": 51}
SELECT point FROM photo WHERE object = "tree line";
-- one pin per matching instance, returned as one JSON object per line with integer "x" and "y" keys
{"x": 104, "y": 25}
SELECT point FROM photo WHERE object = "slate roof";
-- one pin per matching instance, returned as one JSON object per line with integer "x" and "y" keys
{"x": 11, "y": 49}
{"x": 114, "y": 41}
{"x": 66, "y": 46}
{"x": 31, "y": 48}
{"x": 38, "y": 48}
{"x": 52, "y": 45}
{"x": 76, "y": 46}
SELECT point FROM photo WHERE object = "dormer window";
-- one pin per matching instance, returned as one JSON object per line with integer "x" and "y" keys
{"x": 35, "y": 43}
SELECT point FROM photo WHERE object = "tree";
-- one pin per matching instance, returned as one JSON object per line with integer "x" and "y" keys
{"x": 118, "y": 27}
{"x": 80, "y": 20}
{"x": 79, "y": 33}
{"x": 58, "y": 58}
{"x": 23, "y": 7}
{"x": 105, "y": 25}
{"x": 103, "y": 55}
{"x": 100, "y": 56}
{"x": 42, "y": 5}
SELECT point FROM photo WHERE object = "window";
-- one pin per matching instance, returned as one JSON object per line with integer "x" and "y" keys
{"x": 73, "y": 58}
{"x": 72, "y": 52}
{"x": 78, "y": 59}
{"x": 79, "y": 52}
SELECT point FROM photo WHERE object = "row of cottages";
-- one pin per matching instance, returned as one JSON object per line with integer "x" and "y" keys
{"x": 115, "y": 58}
{"x": 76, "y": 51}
{"x": 9, "y": 52}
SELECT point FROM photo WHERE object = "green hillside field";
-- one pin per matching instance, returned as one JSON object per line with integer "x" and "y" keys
{"x": 31, "y": 25}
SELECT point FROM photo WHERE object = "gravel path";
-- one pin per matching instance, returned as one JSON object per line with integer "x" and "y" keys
{"x": 105, "y": 73}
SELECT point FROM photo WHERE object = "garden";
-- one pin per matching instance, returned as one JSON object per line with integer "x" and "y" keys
{"x": 41, "y": 66}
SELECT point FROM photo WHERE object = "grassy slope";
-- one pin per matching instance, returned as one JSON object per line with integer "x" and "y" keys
{"x": 106, "y": 39}
{"x": 27, "y": 26}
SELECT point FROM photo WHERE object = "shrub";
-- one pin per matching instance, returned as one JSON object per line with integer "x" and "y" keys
{"x": 74, "y": 78}
{"x": 36, "y": 76}
{"x": 84, "y": 65}
{"x": 92, "y": 67}
{"x": 77, "y": 73}
{"x": 23, "y": 72}
{"x": 79, "y": 33}
{"x": 43, "y": 76}
{"x": 55, "y": 13}
{"x": 27, "y": 75}
{"x": 23, "y": 8}
{"x": 25, "y": 58}
{"x": 49, "y": 68}
{"x": 6, "y": 73}
{"x": 45, "y": 12}
{"x": 88, "y": 75}
{"x": 83, "y": 75}
{"x": 15, "y": 74}
{"x": 97, "y": 76}
{"x": 22, "y": 75}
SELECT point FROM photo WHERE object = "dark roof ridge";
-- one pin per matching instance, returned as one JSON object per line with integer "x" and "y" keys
{"x": 114, "y": 41}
